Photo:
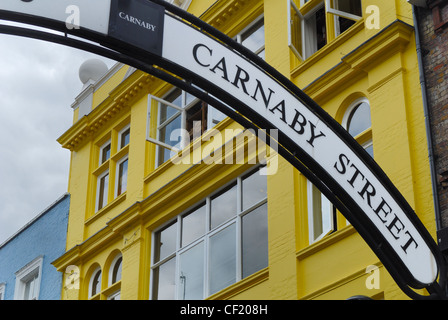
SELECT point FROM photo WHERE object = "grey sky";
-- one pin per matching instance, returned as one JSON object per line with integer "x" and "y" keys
{"x": 38, "y": 83}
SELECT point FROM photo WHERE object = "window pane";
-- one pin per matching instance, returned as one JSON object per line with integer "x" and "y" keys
{"x": 296, "y": 32}
{"x": 96, "y": 283}
{"x": 322, "y": 214}
{"x": 31, "y": 288}
{"x": 359, "y": 120}
{"x": 102, "y": 191}
{"x": 165, "y": 242}
{"x": 105, "y": 153}
{"x": 253, "y": 39}
{"x": 116, "y": 273}
{"x": 124, "y": 138}
{"x": 349, "y": 6}
{"x": 255, "y": 240}
{"x": 321, "y": 28}
{"x": 193, "y": 225}
{"x": 214, "y": 117}
{"x": 122, "y": 177}
{"x": 369, "y": 150}
{"x": 164, "y": 155}
{"x": 165, "y": 132}
{"x": 196, "y": 119}
{"x": 164, "y": 281}
{"x": 166, "y": 112}
{"x": 222, "y": 271}
{"x": 254, "y": 189}
{"x": 344, "y": 24}
{"x": 189, "y": 98}
{"x": 191, "y": 276}
{"x": 223, "y": 206}
{"x": 315, "y": 32}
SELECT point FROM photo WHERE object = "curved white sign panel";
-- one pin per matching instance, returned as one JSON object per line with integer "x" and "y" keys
{"x": 242, "y": 79}
{"x": 145, "y": 26}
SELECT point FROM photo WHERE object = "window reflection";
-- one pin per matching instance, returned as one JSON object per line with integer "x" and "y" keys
{"x": 165, "y": 242}
{"x": 359, "y": 119}
{"x": 193, "y": 225}
{"x": 255, "y": 240}
{"x": 254, "y": 189}
{"x": 191, "y": 280}
{"x": 222, "y": 271}
{"x": 164, "y": 281}
{"x": 223, "y": 206}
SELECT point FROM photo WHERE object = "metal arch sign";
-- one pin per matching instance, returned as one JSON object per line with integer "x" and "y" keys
{"x": 144, "y": 34}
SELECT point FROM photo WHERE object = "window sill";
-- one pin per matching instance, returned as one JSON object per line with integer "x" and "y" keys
{"x": 121, "y": 153}
{"x": 111, "y": 289}
{"x": 107, "y": 208}
{"x": 325, "y": 242}
{"x": 242, "y": 285}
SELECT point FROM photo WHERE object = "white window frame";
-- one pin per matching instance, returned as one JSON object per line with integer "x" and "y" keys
{"x": 292, "y": 5}
{"x": 312, "y": 212}
{"x": 339, "y": 13}
{"x": 114, "y": 296}
{"x": 117, "y": 175}
{"x": 2, "y": 291}
{"x": 306, "y": 51}
{"x": 94, "y": 273}
{"x": 235, "y": 220}
{"x": 120, "y": 133}
{"x": 106, "y": 190}
{"x": 347, "y": 115}
{"x": 306, "y": 37}
{"x": 239, "y": 36}
{"x": 117, "y": 294}
{"x": 107, "y": 143}
{"x": 214, "y": 117}
{"x": 111, "y": 269}
{"x": 350, "y": 109}
{"x": 31, "y": 270}
{"x": 181, "y": 111}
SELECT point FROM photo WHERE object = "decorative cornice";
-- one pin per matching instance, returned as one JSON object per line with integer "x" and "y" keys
{"x": 222, "y": 11}
{"x": 119, "y": 100}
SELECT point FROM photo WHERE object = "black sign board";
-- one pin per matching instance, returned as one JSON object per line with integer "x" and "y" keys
{"x": 138, "y": 23}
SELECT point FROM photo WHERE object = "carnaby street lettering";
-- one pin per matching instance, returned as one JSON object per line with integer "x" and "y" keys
{"x": 383, "y": 211}
{"x": 276, "y": 104}
{"x": 241, "y": 79}
{"x": 136, "y": 21}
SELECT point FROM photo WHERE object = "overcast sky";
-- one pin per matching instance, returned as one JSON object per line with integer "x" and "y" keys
{"x": 38, "y": 83}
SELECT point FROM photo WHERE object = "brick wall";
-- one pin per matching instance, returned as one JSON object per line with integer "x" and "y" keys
{"x": 434, "y": 40}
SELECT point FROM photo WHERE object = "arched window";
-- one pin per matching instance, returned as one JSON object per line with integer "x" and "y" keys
{"x": 115, "y": 270}
{"x": 358, "y": 123}
{"x": 114, "y": 277}
{"x": 95, "y": 283}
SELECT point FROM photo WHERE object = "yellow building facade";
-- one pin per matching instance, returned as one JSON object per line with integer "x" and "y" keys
{"x": 145, "y": 226}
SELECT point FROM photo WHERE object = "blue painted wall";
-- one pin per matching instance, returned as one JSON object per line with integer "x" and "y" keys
{"x": 44, "y": 236}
